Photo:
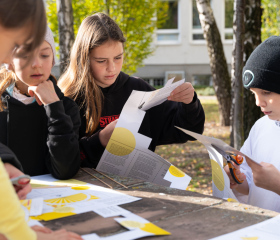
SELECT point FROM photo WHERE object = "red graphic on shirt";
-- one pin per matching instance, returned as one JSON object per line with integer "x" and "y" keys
{"x": 104, "y": 121}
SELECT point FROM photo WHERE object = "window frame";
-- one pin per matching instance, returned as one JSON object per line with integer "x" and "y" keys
{"x": 171, "y": 31}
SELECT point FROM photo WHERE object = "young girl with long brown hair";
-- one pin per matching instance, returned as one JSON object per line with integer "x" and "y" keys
{"x": 38, "y": 123}
{"x": 95, "y": 81}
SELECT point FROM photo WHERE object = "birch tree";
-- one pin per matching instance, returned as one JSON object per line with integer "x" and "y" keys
{"x": 66, "y": 30}
{"x": 138, "y": 29}
{"x": 252, "y": 38}
{"x": 236, "y": 74}
{"x": 218, "y": 64}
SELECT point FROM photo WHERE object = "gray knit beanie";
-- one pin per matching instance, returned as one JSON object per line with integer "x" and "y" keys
{"x": 262, "y": 69}
{"x": 49, "y": 38}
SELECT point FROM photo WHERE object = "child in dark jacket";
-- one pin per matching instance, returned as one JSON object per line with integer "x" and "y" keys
{"x": 38, "y": 123}
{"x": 95, "y": 81}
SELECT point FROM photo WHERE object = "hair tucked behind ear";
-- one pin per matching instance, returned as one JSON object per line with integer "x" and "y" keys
{"x": 6, "y": 79}
{"x": 77, "y": 82}
{"x": 15, "y": 14}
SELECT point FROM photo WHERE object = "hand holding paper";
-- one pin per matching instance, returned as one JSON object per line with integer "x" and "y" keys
{"x": 183, "y": 93}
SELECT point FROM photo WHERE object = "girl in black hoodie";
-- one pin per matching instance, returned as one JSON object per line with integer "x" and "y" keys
{"x": 38, "y": 123}
{"x": 95, "y": 81}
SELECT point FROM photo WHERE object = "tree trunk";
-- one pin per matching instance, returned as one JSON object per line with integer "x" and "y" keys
{"x": 253, "y": 22}
{"x": 236, "y": 74}
{"x": 66, "y": 31}
{"x": 218, "y": 64}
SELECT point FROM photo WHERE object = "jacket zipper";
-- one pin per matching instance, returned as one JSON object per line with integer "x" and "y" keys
{"x": 6, "y": 98}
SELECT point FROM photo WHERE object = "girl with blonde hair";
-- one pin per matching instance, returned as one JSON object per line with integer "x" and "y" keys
{"x": 95, "y": 81}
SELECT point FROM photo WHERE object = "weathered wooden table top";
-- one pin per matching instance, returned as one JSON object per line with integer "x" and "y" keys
{"x": 185, "y": 214}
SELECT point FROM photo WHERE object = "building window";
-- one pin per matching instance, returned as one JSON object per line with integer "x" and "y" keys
{"x": 178, "y": 75}
{"x": 228, "y": 32}
{"x": 168, "y": 22}
{"x": 155, "y": 82}
{"x": 197, "y": 32}
{"x": 202, "y": 80}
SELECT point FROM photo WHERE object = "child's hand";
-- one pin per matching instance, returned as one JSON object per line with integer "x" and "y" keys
{"x": 13, "y": 172}
{"x": 183, "y": 93}
{"x": 267, "y": 177}
{"x": 241, "y": 176}
{"x": 44, "y": 93}
{"x": 57, "y": 235}
{"x": 106, "y": 133}
{"x": 38, "y": 228}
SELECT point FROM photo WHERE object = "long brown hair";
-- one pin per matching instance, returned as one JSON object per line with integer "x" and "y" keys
{"x": 16, "y": 14}
{"x": 77, "y": 82}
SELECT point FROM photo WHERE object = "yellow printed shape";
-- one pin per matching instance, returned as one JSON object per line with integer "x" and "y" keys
{"x": 249, "y": 238}
{"x": 152, "y": 228}
{"x": 52, "y": 215}
{"x": 64, "y": 209}
{"x": 132, "y": 224}
{"x": 69, "y": 182}
{"x": 80, "y": 187}
{"x": 122, "y": 142}
{"x": 66, "y": 200}
{"x": 36, "y": 185}
{"x": 92, "y": 197}
{"x": 176, "y": 172}
{"x": 217, "y": 175}
{"x": 231, "y": 200}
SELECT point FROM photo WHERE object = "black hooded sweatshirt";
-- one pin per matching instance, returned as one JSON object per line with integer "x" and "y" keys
{"x": 159, "y": 122}
{"x": 45, "y": 139}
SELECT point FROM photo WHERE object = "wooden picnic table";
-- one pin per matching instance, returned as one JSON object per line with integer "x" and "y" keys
{"x": 185, "y": 214}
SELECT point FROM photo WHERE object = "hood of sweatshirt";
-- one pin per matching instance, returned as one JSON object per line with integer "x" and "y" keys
{"x": 120, "y": 81}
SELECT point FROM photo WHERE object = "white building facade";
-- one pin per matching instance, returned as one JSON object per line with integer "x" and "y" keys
{"x": 180, "y": 49}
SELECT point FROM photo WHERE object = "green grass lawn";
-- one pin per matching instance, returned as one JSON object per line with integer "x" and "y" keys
{"x": 192, "y": 157}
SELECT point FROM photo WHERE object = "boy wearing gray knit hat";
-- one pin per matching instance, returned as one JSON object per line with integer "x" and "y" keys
{"x": 261, "y": 186}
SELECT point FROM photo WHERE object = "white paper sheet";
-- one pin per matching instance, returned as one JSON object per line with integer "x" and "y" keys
{"x": 135, "y": 222}
{"x": 220, "y": 180}
{"x": 268, "y": 229}
{"x": 91, "y": 236}
{"x": 66, "y": 201}
{"x": 32, "y": 207}
{"x": 127, "y": 152}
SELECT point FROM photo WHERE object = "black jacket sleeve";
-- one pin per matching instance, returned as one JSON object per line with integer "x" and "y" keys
{"x": 93, "y": 149}
{"x": 64, "y": 121}
{"x": 161, "y": 121}
{"x": 8, "y": 156}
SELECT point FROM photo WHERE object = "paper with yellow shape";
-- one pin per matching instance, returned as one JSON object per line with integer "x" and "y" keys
{"x": 132, "y": 222}
{"x": 127, "y": 152}
{"x": 32, "y": 207}
{"x": 177, "y": 178}
{"x": 67, "y": 201}
{"x": 265, "y": 230}
{"x": 44, "y": 182}
{"x": 220, "y": 180}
